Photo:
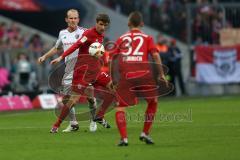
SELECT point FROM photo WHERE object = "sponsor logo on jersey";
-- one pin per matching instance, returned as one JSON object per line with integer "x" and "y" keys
{"x": 83, "y": 39}
{"x": 68, "y": 43}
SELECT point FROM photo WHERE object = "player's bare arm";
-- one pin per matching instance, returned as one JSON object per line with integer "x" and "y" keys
{"x": 57, "y": 60}
{"x": 158, "y": 61}
{"x": 50, "y": 53}
{"x": 70, "y": 50}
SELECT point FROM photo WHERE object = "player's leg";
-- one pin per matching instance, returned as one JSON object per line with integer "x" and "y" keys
{"x": 68, "y": 102}
{"x": 106, "y": 95}
{"x": 125, "y": 98}
{"x": 120, "y": 117}
{"x": 149, "y": 118}
{"x": 121, "y": 122}
{"x": 92, "y": 103}
{"x": 67, "y": 87}
{"x": 73, "y": 123}
{"x": 89, "y": 91}
{"x": 107, "y": 101}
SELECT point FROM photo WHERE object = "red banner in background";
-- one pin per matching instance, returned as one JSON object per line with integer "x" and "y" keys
{"x": 19, "y": 5}
{"x": 217, "y": 65}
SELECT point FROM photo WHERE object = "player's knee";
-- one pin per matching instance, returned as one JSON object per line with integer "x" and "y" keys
{"x": 118, "y": 109}
{"x": 65, "y": 99}
{"x": 152, "y": 102}
{"x": 91, "y": 100}
{"x": 72, "y": 100}
{"x": 89, "y": 91}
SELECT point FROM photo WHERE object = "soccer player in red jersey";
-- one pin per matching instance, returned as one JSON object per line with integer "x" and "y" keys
{"x": 132, "y": 52}
{"x": 87, "y": 70}
{"x": 66, "y": 38}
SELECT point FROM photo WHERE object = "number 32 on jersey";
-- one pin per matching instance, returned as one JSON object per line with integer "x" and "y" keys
{"x": 132, "y": 53}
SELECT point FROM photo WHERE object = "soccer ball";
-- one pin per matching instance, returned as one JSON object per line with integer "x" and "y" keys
{"x": 96, "y": 49}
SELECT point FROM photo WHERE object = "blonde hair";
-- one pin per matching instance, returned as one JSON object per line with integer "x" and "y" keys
{"x": 72, "y": 10}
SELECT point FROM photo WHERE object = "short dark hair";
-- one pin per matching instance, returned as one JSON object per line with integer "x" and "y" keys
{"x": 135, "y": 18}
{"x": 103, "y": 17}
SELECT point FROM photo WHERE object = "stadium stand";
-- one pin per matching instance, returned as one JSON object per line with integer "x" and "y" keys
{"x": 171, "y": 18}
{"x": 50, "y": 15}
{"x": 18, "y": 40}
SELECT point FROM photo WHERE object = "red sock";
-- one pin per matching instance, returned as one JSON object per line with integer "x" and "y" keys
{"x": 121, "y": 123}
{"x": 149, "y": 115}
{"x": 64, "y": 112}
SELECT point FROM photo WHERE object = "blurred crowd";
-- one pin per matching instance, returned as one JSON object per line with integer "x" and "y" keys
{"x": 169, "y": 16}
{"x": 12, "y": 37}
{"x": 18, "y": 54}
{"x": 171, "y": 56}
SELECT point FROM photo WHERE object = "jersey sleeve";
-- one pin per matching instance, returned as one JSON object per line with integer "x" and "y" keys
{"x": 151, "y": 45}
{"x": 76, "y": 45}
{"x": 58, "y": 43}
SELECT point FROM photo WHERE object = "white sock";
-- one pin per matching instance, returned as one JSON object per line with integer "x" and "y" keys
{"x": 143, "y": 134}
{"x": 72, "y": 114}
{"x": 125, "y": 140}
{"x": 73, "y": 122}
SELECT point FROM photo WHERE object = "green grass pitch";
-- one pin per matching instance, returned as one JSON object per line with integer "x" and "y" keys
{"x": 203, "y": 128}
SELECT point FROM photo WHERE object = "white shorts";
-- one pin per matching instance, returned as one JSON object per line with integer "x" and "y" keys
{"x": 68, "y": 76}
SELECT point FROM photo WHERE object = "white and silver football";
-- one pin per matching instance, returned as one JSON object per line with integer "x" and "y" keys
{"x": 96, "y": 49}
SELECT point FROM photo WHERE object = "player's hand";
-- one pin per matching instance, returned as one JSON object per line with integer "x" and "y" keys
{"x": 162, "y": 78}
{"x": 56, "y": 60}
{"x": 41, "y": 59}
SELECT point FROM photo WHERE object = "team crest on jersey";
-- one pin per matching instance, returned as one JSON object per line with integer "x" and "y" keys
{"x": 77, "y": 36}
{"x": 225, "y": 61}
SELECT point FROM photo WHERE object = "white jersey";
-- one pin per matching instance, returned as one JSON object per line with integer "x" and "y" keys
{"x": 66, "y": 39}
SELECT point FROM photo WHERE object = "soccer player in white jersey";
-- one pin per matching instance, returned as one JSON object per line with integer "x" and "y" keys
{"x": 67, "y": 38}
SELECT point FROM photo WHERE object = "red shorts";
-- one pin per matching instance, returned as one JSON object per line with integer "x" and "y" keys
{"x": 102, "y": 80}
{"x": 130, "y": 88}
{"x": 80, "y": 84}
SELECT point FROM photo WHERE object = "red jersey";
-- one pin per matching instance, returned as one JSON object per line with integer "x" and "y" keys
{"x": 88, "y": 37}
{"x": 132, "y": 62}
{"x": 87, "y": 67}
{"x": 134, "y": 48}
